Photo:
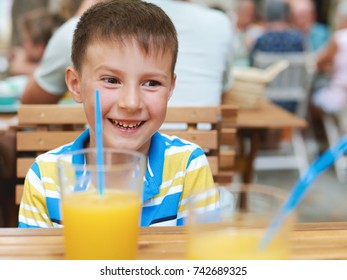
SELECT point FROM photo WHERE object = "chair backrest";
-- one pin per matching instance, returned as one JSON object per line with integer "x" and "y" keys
{"x": 293, "y": 83}
{"x": 45, "y": 127}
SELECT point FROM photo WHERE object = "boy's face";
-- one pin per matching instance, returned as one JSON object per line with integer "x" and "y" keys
{"x": 134, "y": 91}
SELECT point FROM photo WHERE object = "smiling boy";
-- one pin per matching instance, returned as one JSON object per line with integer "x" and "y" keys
{"x": 127, "y": 49}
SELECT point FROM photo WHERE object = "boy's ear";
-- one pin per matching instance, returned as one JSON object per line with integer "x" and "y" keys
{"x": 173, "y": 84}
{"x": 72, "y": 81}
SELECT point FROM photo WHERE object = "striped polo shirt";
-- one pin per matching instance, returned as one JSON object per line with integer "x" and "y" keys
{"x": 175, "y": 168}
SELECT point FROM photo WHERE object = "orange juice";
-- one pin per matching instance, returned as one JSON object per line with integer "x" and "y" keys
{"x": 234, "y": 245}
{"x": 101, "y": 227}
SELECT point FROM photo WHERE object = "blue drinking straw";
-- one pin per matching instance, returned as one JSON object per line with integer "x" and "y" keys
{"x": 99, "y": 145}
{"x": 301, "y": 187}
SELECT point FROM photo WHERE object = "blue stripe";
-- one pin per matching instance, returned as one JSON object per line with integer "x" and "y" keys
{"x": 168, "y": 207}
{"x": 22, "y": 225}
{"x": 53, "y": 207}
{"x": 63, "y": 150}
{"x": 196, "y": 153}
{"x": 177, "y": 142}
{"x": 35, "y": 168}
{"x": 181, "y": 221}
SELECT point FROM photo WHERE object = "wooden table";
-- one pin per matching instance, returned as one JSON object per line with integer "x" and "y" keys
{"x": 250, "y": 123}
{"x": 309, "y": 241}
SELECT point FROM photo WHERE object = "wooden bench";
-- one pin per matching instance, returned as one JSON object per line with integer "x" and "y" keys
{"x": 45, "y": 127}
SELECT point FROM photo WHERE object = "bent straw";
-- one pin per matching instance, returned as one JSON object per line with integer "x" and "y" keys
{"x": 302, "y": 186}
{"x": 99, "y": 144}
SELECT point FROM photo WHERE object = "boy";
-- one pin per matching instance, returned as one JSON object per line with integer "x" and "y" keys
{"x": 127, "y": 49}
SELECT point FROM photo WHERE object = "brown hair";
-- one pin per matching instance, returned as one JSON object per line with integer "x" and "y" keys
{"x": 121, "y": 20}
{"x": 40, "y": 25}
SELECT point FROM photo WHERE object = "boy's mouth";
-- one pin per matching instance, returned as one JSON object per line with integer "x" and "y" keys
{"x": 127, "y": 125}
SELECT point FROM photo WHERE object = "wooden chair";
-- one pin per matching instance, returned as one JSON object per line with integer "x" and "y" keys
{"x": 291, "y": 85}
{"x": 218, "y": 142}
{"x": 42, "y": 128}
{"x": 45, "y": 127}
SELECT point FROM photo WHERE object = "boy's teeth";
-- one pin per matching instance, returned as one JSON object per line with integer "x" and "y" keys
{"x": 123, "y": 125}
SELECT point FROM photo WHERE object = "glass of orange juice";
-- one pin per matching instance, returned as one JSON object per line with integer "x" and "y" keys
{"x": 233, "y": 229}
{"x": 101, "y": 223}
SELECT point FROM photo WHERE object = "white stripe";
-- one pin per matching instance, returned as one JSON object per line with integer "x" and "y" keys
{"x": 56, "y": 225}
{"x": 35, "y": 182}
{"x": 149, "y": 168}
{"x": 47, "y": 180}
{"x": 200, "y": 196}
{"x": 165, "y": 223}
{"x": 200, "y": 210}
{"x": 47, "y": 158}
{"x": 32, "y": 209}
{"x": 197, "y": 163}
{"x": 52, "y": 194}
{"x": 158, "y": 200}
{"x": 179, "y": 149}
{"x": 168, "y": 183}
{"x": 32, "y": 222}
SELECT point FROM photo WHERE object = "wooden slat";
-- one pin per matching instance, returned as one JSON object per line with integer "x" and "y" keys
{"x": 227, "y": 159}
{"x": 23, "y": 165}
{"x": 19, "y": 193}
{"x": 51, "y": 114}
{"x": 228, "y": 137}
{"x": 42, "y": 141}
{"x": 204, "y": 138}
{"x": 192, "y": 115}
{"x": 214, "y": 164}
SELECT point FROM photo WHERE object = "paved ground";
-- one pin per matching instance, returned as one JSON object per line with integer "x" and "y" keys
{"x": 325, "y": 201}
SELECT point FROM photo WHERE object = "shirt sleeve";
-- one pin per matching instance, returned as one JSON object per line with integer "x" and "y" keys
{"x": 198, "y": 181}
{"x": 33, "y": 209}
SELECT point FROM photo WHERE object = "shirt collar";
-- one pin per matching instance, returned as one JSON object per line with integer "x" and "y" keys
{"x": 79, "y": 144}
{"x": 155, "y": 165}
{"x": 155, "y": 162}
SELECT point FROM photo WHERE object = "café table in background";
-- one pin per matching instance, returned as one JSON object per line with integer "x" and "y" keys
{"x": 309, "y": 241}
{"x": 251, "y": 122}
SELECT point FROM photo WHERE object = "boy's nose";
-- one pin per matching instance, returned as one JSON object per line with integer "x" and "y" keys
{"x": 130, "y": 99}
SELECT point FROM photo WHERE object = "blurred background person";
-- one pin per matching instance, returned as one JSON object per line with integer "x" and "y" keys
{"x": 47, "y": 85}
{"x": 204, "y": 55}
{"x": 68, "y": 8}
{"x": 279, "y": 36}
{"x": 332, "y": 98}
{"x": 303, "y": 17}
{"x": 248, "y": 27}
{"x": 19, "y": 8}
{"x": 36, "y": 28}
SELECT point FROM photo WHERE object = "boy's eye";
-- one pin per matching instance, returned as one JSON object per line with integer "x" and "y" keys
{"x": 111, "y": 80}
{"x": 151, "y": 83}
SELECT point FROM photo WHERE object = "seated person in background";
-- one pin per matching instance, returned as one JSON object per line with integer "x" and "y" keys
{"x": 248, "y": 28}
{"x": 18, "y": 9}
{"x": 205, "y": 52}
{"x": 279, "y": 37}
{"x": 68, "y": 8}
{"x": 47, "y": 85}
{"x": 303, "y": 18}
{"x": 36, "y": 28}
{"x": 333, "y": 60}
{"x": 119, "y": 49}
